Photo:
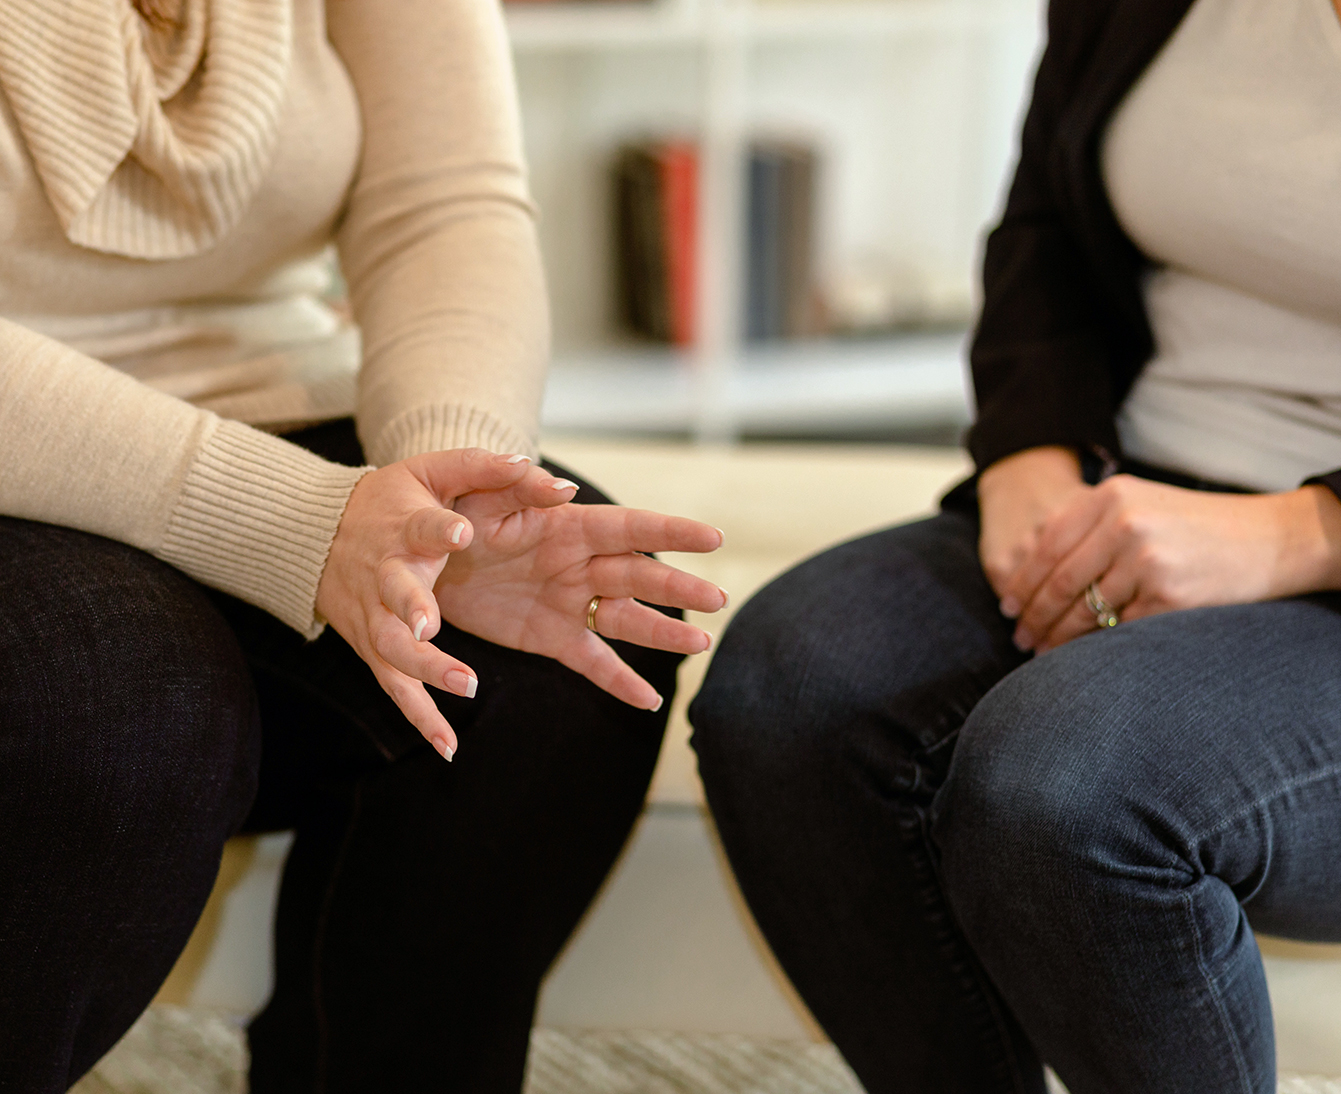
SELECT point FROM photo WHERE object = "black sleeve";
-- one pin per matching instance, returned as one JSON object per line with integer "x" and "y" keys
{"x": 1062, "y": 331}
{"x": 1331, "y": 480}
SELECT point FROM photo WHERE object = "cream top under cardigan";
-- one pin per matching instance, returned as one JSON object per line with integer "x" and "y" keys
{"x": 166, "y": 196}
{"x": 1224, "y": 165}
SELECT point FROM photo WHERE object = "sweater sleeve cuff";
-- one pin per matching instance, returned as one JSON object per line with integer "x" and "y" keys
{"x": 441, "y": 428}
{"x": 1331, "y": 480}
{"x": 256, "y": 518}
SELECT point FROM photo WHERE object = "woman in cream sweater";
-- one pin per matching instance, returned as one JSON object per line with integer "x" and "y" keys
{"x": 213, "y": 614}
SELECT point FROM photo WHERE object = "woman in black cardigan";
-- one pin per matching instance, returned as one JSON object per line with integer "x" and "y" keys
{"x": 982, "y": 824}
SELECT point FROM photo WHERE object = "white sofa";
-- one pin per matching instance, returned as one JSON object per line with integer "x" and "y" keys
{"x": 670, "y": 946}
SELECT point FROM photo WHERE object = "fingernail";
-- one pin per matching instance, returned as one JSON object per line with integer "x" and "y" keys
{"x": 660, "y": 702}
{"x": 1010, "y": 607}
{"x": 444, "y": 749}
{"x": 722, "y": 534}
{"x": 564, "y": 484}
{"x": 711, "y": 640}
{"x": 1023, "y": 639}
{"x": 518, "y": 459}
{"x": 458, "y": 531}
{"x": 420, "y": 622}
{"x": 460, "y": 683}
{"x": 726, "y": 598}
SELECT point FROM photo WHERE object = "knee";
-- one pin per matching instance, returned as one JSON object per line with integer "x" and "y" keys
{"x": 760, "y": 711}
{"x": 1055, "y": 787}
{"x": 128, "y": 703}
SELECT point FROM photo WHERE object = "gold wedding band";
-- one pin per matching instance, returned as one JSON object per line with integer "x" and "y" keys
{"x": 1104, "y": 613}
{"x": 591, "y": 614}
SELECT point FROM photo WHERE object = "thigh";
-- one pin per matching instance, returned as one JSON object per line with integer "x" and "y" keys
{"x": 128, "y": 740}
{"x": 1207, "y": 742}
{"x": 823, "y": 729}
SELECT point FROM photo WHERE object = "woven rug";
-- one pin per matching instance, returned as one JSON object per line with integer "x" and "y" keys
{"x": 176, "y": 1051}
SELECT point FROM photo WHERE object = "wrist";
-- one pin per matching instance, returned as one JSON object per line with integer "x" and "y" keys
{"x": 1311, "y": 549}
{"x": 1038, "y": 465}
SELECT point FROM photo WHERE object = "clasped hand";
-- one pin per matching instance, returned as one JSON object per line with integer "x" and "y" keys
{"x": 1150, "y": 548}
{"x": 524, "y": 567}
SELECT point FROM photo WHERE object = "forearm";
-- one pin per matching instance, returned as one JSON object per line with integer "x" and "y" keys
{"x": 1309, "y": 522}
{"x": 87, "y": 447}
{"x": 439, "y": 244}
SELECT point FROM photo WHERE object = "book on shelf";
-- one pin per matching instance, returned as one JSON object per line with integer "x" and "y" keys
{"x": 780, "y": 241}
{"x": 656, "y": 232}
{"x": 656, "y": 204}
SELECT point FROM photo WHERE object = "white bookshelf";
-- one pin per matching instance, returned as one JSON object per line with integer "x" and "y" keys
{"x": 913, "y": 105}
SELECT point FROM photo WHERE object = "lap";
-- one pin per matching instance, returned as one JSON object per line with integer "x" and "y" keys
{"x": 1209, "y": 739}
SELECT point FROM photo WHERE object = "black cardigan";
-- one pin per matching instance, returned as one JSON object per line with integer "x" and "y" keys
{"x": 1063, "y": 332}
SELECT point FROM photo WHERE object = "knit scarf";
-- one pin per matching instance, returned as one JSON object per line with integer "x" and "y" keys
{"x": 149, "y": 141}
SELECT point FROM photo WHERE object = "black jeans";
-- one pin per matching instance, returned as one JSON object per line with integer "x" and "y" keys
{"x": 968, "y": 859}
{"x": 145, "y": 719}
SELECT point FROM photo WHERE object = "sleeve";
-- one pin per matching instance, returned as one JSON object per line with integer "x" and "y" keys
{"x": 85, "y": 446}
{"x": 439, "y": 243}
{"x": 1044, "y": 352}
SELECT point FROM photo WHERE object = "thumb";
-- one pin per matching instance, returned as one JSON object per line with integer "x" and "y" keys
{"x": 432, "y": 533}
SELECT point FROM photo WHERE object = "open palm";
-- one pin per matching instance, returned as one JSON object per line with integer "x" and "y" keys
{"x": 535, "y": 562}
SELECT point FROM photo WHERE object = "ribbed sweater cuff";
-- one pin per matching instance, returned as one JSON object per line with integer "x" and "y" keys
{"x": 440, "y": 428}
{"x": 256, "y": 518}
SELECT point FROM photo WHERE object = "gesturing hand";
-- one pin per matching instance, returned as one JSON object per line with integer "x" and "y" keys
{"x": 377, "y": 587}
{"x": 535, "y": 564}
{"x": 1154, "y": 548}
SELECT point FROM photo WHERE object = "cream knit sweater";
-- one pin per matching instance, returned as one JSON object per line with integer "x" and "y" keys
{"x": 165, "y": 199}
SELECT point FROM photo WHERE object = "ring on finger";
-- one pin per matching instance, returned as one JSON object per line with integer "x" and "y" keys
{"x": 591, "y": 614}
{"x": 1105, "y": 615}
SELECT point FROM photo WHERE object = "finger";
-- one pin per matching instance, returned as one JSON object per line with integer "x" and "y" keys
{"x": 421, "y": 661}
{"x": 419, "y": 710}
{"x": 461, "y": 470}
{"x": 643, "y": 578}
{"x": 405, "y": 593}
{"x": 614, "y": 530}
{"x": 432, "y": 533}
{"x": 629, "y": 621}
{"x": 591, "y": 657}
{"x": 537, "y": 489}
{"x": 1056, "y": 540}
{"x": 1087, "y": 562}
{"x": 1117, "y": 587}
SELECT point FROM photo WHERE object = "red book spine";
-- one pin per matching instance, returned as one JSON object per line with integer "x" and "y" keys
{"x": 679, "y": 188}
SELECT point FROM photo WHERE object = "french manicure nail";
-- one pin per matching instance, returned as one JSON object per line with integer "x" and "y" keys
{"x": 458, "y": 531}
{"x": 659, "y": 703}
{"x": 420, "y": 622}
{"x": 519, "y": 459}
{"x": 726, "y": 598}
{"x": 459, "y": 683}
{"x": 1010, "y": 607}
{"x": 1023, "y": 639}
{"x": 444, "y": 749}
{"x": 564, "y": 484}
{"x": 711, "y": 641}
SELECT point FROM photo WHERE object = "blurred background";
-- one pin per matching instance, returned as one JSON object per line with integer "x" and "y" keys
{"x": 761, "y": 218}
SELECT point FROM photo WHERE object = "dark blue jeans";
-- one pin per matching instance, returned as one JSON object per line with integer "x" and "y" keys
{"x": 969, "y": 860}
{"x": 145, "y": 719}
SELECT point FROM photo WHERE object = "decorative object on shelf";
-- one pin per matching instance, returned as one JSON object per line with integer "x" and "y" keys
{"x": 780, "y": 244}
{"x": 656, "y": 233}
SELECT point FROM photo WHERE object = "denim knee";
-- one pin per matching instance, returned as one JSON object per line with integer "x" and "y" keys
{"x": 1059, "y": 783}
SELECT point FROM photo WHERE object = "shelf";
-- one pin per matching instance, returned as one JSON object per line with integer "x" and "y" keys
{"x": 605, "y": 25}
{"x": 796, "y": 388}
{"x": 586, "y": 24}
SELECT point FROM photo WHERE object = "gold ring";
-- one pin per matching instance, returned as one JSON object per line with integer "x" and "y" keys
{"x": 591, "y": 614}
{"x": 1104, "y": 613}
